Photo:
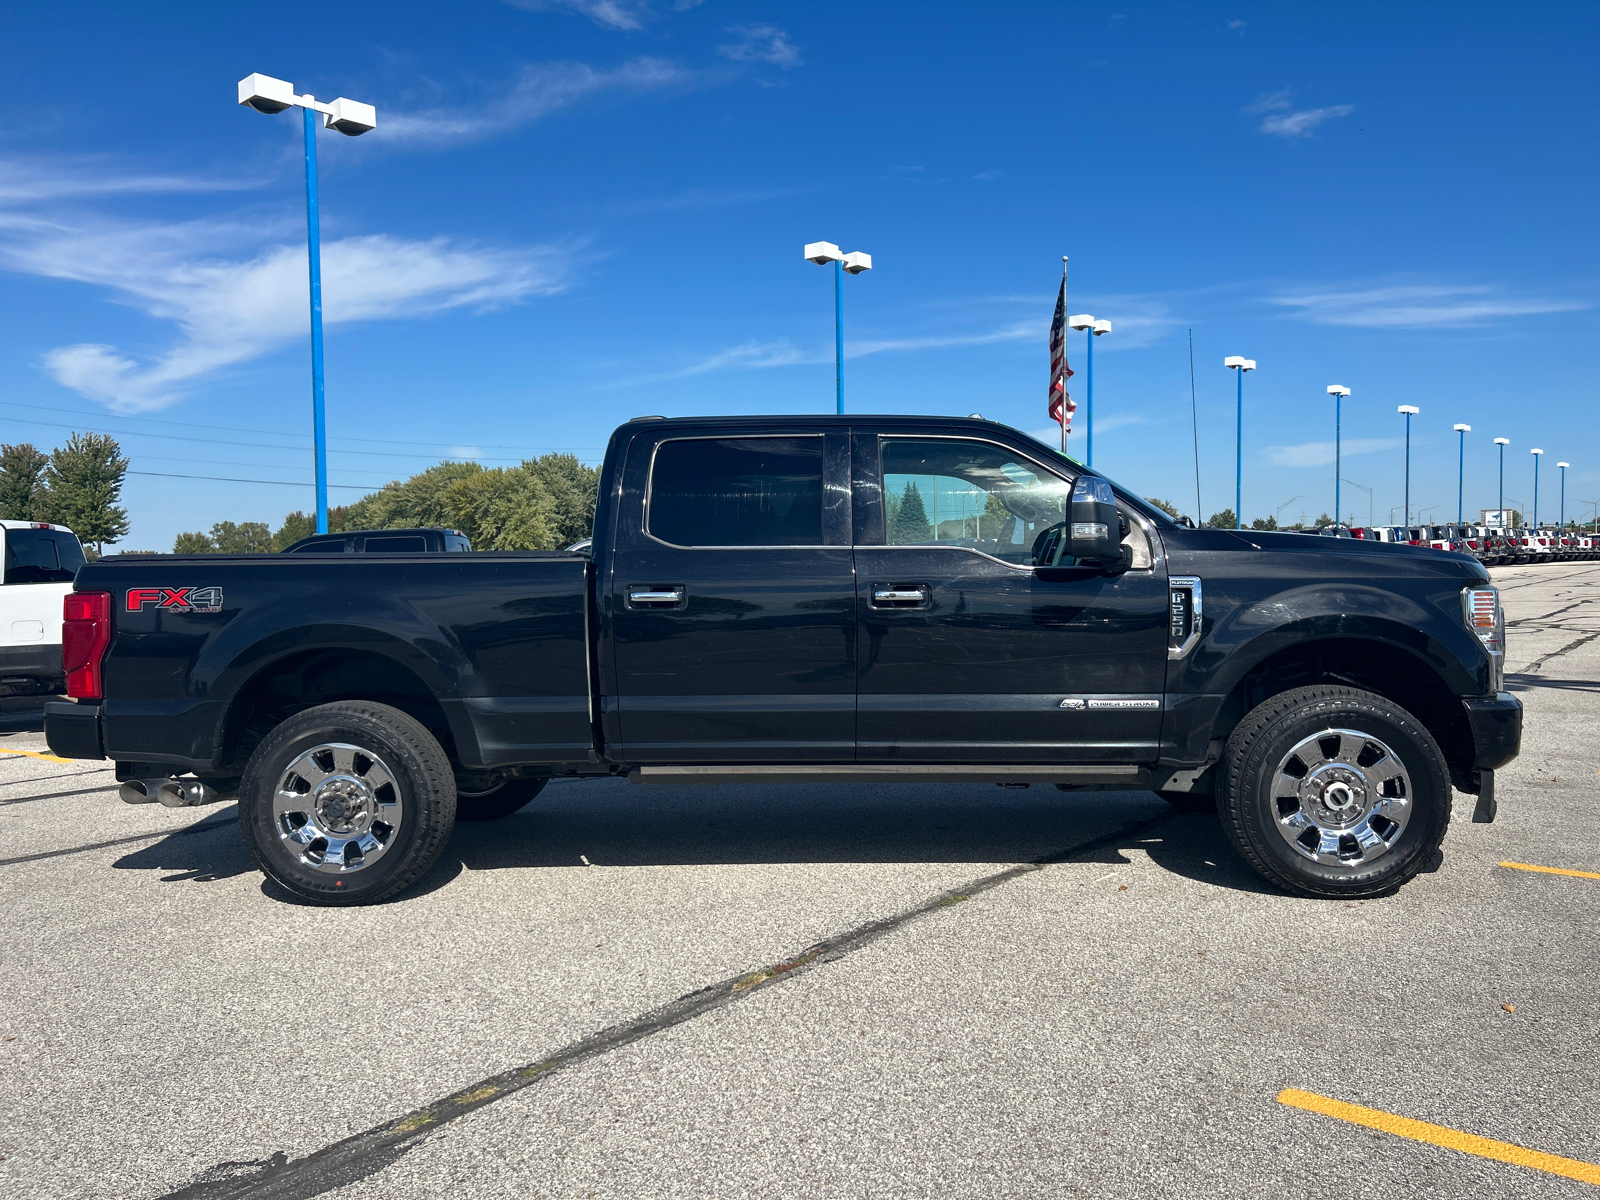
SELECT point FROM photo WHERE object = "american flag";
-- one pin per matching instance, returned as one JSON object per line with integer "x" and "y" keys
{"x": 1061, "y": 405}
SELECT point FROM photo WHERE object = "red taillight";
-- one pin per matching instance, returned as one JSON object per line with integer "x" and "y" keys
{"x": 85, "y": 637}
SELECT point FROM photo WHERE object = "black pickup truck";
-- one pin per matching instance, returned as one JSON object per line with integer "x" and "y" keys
{"x": 808, "y": 599}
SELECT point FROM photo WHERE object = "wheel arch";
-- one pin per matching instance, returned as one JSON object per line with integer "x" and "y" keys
{"x": 273, "y": 690}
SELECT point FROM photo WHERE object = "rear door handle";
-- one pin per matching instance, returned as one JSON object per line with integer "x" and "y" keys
{"x": 654, "y": 597}
{"x": 900, "y": 595}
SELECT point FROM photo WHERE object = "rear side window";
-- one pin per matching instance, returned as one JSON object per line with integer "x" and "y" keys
{"x": 41, "y": 556}
{"x": 737, "y": 492}
{"x": 396, "y": 545}
{"x": 322, "y": 548}
{"x": 451, "y": 542}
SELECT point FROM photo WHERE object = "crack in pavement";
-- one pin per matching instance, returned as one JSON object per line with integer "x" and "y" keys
{"x": 364, "y": 1154}
{"x": 1533, "y": 667}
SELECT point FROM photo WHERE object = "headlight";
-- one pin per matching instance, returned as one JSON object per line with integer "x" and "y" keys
{"x": 1485, "y": 617}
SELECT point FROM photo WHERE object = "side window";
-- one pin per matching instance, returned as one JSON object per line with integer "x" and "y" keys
{"x": 414, "y": 544}
{"x": 760, "y": 491}
{"x": 40, "y": 556}
{"x": 323, "y": 548}
{"x": 977, "y": 494}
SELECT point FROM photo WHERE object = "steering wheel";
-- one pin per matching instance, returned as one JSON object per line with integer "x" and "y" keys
{"x": 1047, "y": 544}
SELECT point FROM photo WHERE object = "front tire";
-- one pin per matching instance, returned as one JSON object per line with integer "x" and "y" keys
{"x": 347, "y": 803}
{"x": 1334, "y": 793}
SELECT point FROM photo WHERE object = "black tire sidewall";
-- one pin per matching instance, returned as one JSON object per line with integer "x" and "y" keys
{"x": 1430, "y": 799}
{"x": 500, "y": 803}
{"x": 422, "y": 806}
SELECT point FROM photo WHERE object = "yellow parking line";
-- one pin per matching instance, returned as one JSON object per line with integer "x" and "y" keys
{"x": 1551, "y": 870}
{"x": 36, "y": 754}
{"x": 1440, "y": 1135}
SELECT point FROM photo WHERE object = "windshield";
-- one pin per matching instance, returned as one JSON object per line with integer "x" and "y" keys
{"x": 41, "y": 556}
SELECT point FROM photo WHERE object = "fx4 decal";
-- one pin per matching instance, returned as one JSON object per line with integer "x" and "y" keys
{"x": 182, "y": 599}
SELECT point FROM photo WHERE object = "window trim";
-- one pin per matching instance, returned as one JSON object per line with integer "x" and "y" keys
{"x": 822, "y": 506}
{"x": 1156, "y": 555}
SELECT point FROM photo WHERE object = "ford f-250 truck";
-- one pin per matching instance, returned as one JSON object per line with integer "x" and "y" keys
{"x": 808, "y": 599}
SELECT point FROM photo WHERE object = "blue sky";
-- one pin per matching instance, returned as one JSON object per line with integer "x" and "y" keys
{"x": 578, "y": 211}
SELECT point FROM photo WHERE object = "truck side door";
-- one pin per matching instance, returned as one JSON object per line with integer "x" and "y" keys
{"x": 969, "y": 650}
{"x": 731, "y": 603}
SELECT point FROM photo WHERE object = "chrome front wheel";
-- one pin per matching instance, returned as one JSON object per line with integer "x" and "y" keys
{"x": 1343, "y": 798}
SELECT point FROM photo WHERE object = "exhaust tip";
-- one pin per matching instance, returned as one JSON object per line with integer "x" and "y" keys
{"x": 135, "y": 791}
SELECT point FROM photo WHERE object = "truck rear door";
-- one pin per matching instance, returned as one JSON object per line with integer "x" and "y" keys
{"x": 731, "y": 601}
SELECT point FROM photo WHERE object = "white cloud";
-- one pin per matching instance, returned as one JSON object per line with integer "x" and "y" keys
{"x": 1320, "y": 454}
{"x": 698, "y": 198}
{"x": 1281, "y": 119}
{"x": 230, "y": 308}
{"x": 761, "y": 43}
{"x": 23, "y": 181}
{"x": 751, "y": 354}
{"x": 625, "y": 15}
{"x": 538, "y": 91}
{"x": 1018, "y": 331}
{"x": 1418, "y": 306}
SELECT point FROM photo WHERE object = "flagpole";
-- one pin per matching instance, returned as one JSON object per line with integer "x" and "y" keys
{"x": 1064, "y": 308}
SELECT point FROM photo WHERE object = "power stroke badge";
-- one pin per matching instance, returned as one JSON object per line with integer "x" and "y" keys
{"x": 179, "y": 599}
{"x": 1076, "y": 703}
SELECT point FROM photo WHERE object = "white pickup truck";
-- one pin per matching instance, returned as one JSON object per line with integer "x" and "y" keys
{"x": 40, "y": 563}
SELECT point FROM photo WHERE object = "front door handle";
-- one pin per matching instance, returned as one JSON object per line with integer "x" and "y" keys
{"x": 654, "y": 597}
{"x": 900, "y": 595}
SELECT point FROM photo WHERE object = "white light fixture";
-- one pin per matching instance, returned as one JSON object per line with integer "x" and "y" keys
{"x": 1502, "y": 441}
{"x": 1535, "y": 451}
{"x": 1081, "y": 321}
{"x": 1335, "y": 389}
{"x": 856, "y": 262}
{"x": 1243, "y": 364}
{"x": 1563, "y": 464}
{"x": 823, "y": 253}
{"x": 1102, "y": 327}
{"x": 1463, "y": 428}
{"x": 268, "y": 95}
{"x": 1409, "y": 410}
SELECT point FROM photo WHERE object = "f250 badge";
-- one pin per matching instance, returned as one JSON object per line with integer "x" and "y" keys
{"x": 181, "y": 599}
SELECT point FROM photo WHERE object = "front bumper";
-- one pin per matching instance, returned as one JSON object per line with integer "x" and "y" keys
{"x": 1496, "y": 724}
{"x": 72, "y": 729}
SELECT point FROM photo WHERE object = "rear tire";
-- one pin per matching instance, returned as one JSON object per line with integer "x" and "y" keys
{"x": 1334, "y": 793}
{"x": 347, "y": 803}
{"x": 497, "y": 803}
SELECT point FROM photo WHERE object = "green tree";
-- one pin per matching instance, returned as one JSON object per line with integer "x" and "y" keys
{"x": 1264, "y": 523}
{"x": 22, "y": 492}
{"x": 1222, "y": 520}
{"x": 84, "y": 481}
{"x": 1322, "y": 520}
{"x": 193, "y": 543}
{"x": 251, "y": 537}
{"x": 297, "y": 525}
{"x": 572, "y": 488}
{"x": 996, "y": 521}
{"x": 911, "y": 520}
{"x": 1165, "y": 506}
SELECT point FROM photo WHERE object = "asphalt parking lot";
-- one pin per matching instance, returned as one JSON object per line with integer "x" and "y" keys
{"x": 848, "y": 991}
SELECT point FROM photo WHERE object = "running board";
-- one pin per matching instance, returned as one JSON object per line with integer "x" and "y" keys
{"x": 1079, "y": 775}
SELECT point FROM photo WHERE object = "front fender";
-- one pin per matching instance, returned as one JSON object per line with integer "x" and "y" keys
{"x": 1237, "y": 638}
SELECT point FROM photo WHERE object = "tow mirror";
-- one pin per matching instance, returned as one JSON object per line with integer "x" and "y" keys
{"x": 1094, "y": 528}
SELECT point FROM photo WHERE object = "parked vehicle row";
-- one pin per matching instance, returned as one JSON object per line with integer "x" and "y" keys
{"x": 1491, "y": 546}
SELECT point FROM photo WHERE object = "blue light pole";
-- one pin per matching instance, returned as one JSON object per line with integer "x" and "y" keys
{"x": 1095, "y": 329}
{"x": 350, "y": 117}
{"x": 1502, "y": 443}
{"x": 1461, "y": 468}
{"x": 319, "y": 430}
{"x": 1563, "y": 466}
{"x": 1241, "y": 365}
{"x": 1536, "y": 456}
{"x": 1338, "y": 392}
{"x": 823, "y": 253}
{"x": 1409, "y": 410}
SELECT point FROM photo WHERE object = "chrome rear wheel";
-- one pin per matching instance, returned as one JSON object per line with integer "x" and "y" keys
{"x": 337, "y": 807}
